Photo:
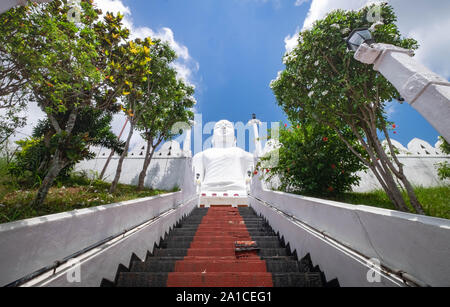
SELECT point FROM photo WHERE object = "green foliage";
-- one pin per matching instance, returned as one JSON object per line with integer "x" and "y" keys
{"x": 444, "y": 170}
{"x": 444, "y": 167}
{"x": 314, "y": 161}
{"x": 445, "y": 146}
{"x": 168, "y": 98}
{"x": 73, "y": 192}
{"x": 324, "y": 85}
{"x": 322, "y": 80}
{"x": 70, "y": 67}
{"x": 92, "y": 127}
{"x": 27, "y": 161}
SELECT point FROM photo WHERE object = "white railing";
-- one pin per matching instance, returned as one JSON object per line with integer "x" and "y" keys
{"x": 342, "y": 238}
{"x": 35, "y": 245}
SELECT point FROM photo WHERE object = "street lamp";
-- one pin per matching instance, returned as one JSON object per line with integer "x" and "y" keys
{"x": 425, "y": 91}
{"x": 358, "y": 37}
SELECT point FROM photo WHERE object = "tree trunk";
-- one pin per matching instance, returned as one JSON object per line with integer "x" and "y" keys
{"x": 148, "y": 158}
{"x": 55, "y": 168}
{"x": 102, "y": 174}
{"x": 57, "y": 163}
{"x": 120, "y": 163}
{"x": 393, "y": 191}
{"x": 412, "y": 196}
{"x": 112, "y": 152}
{"x": 401, "y": 176}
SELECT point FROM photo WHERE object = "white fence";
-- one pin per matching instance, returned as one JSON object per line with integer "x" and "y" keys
{"x": 420, "y": 170}
{"x": 31, "y": 245}
{"x": 163, "y": 173}
{"x": 343, "y": 239}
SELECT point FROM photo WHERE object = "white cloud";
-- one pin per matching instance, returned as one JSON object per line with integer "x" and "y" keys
{"x": 300, "y": 2}
{"x": 425, "y": 21}
{"x": 291, "y": 41}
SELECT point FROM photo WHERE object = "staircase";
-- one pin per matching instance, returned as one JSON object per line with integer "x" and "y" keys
{"x": 221, "y": 247}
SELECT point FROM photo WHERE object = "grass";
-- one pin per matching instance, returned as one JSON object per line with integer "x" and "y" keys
{"x": 436, "y": 201}
{"x": 77, "y": 192}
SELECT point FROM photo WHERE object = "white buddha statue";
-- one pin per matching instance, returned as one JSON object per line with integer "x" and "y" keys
{"x": 223, "y": 168}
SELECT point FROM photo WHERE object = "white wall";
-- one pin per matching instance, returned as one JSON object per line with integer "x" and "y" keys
{"x": 33, "y": 244}
{"x": 420, "y": 171}
{"x": 344, "y": 237}
{"x": 419, "y": 158}
{"x": 162, "y": 174}
{"x": 166, "y": 170}
{"x": 30, "y": 245}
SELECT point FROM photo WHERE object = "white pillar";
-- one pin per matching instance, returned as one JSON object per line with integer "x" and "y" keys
{"x": 258, "y": 148}
{"x": 187, "y": 143}
{"x": 424, "y": 90}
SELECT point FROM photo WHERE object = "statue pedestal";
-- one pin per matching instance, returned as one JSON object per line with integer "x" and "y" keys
{"x": 223, "y": 201}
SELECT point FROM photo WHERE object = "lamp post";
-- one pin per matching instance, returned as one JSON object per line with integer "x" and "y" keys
{"x": 424, "y": 90}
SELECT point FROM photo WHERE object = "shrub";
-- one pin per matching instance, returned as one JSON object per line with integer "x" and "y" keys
{"x": 314, "y": 161}
{"x": 444, "y": 167}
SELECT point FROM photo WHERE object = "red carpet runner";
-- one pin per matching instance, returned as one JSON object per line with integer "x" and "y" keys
{"x": 212, "y": 260}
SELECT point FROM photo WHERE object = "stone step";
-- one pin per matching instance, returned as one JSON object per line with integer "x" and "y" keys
{"x": 200, "y": 252}
{"x": 236, "y": 279}
{"x": 216, "y": 238}
{"x": 213, "y": 242}
{"x": 251, "y": 232}
{"x": 303, "y": 280}
{"x": 169, "y": 265}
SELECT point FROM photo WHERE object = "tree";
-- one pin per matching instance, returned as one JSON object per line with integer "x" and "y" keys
{"x": 168, "y": 115}
{"x": 323, "y": 83}
{"x": 137, "y": 60}
{"x": 170, "y": 101}
{"x": 32, "y": 162}
{"x": 69, "y": 67}
{"x": 314, "y": 161}
{"x": 13, "y": 90}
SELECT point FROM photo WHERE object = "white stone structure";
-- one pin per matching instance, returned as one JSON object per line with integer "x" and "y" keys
{"x": 419, "y": 158}
{"x": 346, "y": 240}
{"x": 163, "y": 173}
{"x": 420, "y": 161}
{"x": 424, "y": 90}
{"x": 222, "y": 171}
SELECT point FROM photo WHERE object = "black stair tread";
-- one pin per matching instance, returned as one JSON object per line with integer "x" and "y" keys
{"x": 132, "y": 279}
{"x": 153, "y": 266}
{"x": 297, "y": 280}
{"x": 168, "y": 265}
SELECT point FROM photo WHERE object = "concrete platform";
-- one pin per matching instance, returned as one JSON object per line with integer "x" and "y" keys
{"x": 223, "y": 201}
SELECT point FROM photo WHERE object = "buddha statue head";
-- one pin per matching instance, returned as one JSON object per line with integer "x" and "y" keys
{"x": 223, "y": 136}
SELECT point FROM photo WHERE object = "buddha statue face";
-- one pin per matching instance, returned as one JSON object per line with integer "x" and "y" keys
{"x": 224, "y": 135}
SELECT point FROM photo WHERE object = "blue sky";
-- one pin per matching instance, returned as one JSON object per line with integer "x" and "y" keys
{"x": 238, "y": 45}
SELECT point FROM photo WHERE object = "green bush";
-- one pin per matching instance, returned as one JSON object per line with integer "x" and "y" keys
{"x": 444, "y": 167}
{"x": 314, "y": 161}
{"x": 26, "y": 163}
